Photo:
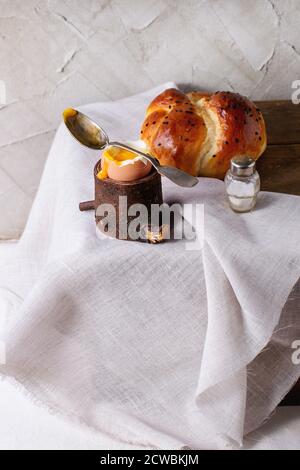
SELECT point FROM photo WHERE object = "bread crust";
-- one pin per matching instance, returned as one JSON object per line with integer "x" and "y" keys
{"x": 200, "y": 132}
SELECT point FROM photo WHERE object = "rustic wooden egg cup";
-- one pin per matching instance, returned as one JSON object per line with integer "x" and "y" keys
{"x": 146, "y": 191}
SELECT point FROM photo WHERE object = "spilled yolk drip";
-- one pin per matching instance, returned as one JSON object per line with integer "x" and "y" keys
{"x": 102, "y": 174}
{"x": 116, "y": 155}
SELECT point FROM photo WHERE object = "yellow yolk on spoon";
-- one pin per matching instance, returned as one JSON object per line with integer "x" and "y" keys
{"x": 69, "y": 112}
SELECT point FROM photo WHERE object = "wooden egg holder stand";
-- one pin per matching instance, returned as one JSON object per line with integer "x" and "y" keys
{"x": 146, "y": 191}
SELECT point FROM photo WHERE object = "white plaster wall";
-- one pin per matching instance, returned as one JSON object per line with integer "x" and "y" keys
{"x": 57, "y": 53}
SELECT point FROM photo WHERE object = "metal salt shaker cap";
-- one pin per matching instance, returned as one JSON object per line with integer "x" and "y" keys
{"x": 242, "y": 166}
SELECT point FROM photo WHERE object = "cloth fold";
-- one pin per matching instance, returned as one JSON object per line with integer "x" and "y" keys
{"x": 159, "y": 345}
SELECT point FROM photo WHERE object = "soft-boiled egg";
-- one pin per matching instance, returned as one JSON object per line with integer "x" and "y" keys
{"x": 122, "y": 165}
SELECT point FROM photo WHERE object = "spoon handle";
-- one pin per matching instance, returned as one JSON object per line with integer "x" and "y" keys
{"x": 174, "y": 174}
{"x": 148, "y": 157}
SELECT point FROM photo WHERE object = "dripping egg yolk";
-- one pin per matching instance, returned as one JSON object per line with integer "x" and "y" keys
{"x": 123, "y": 165}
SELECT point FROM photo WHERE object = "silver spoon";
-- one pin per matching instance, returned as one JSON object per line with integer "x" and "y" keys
{"x": 90, "y": 134}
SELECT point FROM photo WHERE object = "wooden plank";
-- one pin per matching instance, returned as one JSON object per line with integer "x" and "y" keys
{"x": 282, "y": 121}
{"x": 279, "y": 169}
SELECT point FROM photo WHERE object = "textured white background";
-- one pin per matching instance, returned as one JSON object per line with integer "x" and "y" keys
{"x": 57, "y": 53}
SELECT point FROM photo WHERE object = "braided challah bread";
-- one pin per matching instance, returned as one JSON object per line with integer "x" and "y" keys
{"x": 200, "y": 132}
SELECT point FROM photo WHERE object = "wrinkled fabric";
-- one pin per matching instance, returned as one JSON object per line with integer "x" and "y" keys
{"x": 161, "y": 346}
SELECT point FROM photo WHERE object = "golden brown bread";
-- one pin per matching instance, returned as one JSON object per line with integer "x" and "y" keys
{"x": 200, "y": 132}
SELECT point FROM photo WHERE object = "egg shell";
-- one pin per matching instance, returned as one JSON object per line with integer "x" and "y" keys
{"x": 130, "y": 172}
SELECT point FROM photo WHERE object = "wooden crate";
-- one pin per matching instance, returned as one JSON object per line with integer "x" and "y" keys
{"x": 279, "y": 167}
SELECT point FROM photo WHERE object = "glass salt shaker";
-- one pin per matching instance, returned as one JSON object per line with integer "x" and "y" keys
{"x": 242, "y": 184}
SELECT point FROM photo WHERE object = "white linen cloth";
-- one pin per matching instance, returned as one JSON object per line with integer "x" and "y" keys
{"x": 26, "y": 426}
{"x": 158, "y": 346}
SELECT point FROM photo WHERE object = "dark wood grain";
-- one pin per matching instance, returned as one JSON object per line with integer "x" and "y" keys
{"x": 282, "y": 120}
{"x": 279, "y": 168}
